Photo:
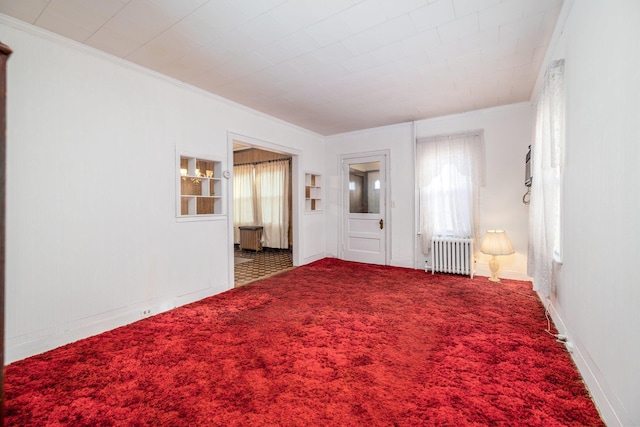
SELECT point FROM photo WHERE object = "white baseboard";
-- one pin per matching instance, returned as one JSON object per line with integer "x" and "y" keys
{"x": 483, "y": 270}
{"x": 402, "y": 262}
{"x": 50, "y": 338}
{"x": 610, "y": 410}
{"x": 313, "y": 258}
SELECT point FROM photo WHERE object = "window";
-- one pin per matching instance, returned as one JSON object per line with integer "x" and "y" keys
{"x": 452, "y": 211}
{"x": 450, "y": 171}
{"x": 547, "y": 161}
{"x": 261, "y": 197}
{"x": 243, "y": 195}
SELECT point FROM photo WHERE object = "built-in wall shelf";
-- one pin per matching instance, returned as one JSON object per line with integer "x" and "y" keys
{"x": 312, "y": 192}
{"x": 199, "y": 187}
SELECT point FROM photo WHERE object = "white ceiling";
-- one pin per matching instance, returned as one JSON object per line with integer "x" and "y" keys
{"x": 330, "y": 66}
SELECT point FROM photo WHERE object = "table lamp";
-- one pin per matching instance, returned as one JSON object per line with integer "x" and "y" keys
{"x": 496, "y": 243}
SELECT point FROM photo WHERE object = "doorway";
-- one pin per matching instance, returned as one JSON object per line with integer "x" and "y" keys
{"x": 364, "y": 208}
{"x": 274, "y": 252}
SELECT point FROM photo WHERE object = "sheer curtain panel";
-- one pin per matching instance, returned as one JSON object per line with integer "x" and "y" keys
{"x": 547, "y": 160}
{"x": 272, "y": 194}
{"x": 244, "y": 208}
{"x": 450, "y": 171}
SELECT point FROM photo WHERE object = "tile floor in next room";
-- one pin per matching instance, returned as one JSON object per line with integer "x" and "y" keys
{"x": 252, "y": 265}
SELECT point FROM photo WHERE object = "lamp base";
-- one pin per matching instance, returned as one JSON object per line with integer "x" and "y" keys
{"x": 494, "y": 266}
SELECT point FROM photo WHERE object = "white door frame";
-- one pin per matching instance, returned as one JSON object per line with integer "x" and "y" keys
{"x": 342, "y": 235}
{"x": 296, "y": 179}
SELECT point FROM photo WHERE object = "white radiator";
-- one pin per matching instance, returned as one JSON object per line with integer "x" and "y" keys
{"x": 452, "y": 255}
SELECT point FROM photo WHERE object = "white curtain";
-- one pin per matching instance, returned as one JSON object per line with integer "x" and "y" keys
{"x": 450, "y": 171}
{"x": 261, "y": 197}
{"x": 244, "y": 208}
{"x": 547, "y": 160}
{"x": 272, "y": 194}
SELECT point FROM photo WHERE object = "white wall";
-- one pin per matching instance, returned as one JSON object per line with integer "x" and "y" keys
{"x": 507, "y": 133}
{"x": 397, "y": 139}
{"x": 91, "y": 231}
{"x": 92, "y": 237}
{"x": 598, "y": 290}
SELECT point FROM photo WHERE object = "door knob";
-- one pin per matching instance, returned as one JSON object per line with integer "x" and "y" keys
{"x": 381, "y": 224}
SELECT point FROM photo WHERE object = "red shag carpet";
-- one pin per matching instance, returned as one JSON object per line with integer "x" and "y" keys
{"x": 332, "y": 343}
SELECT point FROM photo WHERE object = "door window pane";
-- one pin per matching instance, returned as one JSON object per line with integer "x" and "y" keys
{"x": 364, "y": 187}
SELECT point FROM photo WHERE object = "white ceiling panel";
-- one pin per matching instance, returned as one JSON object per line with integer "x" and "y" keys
{"x": 238, "y": 42}
{"x": 459, "y": 29}
{"x": 112, "y": 42}
{"x": 410, "y": 63}
{"x": 321, "y": 10}
{"x": 245, "y": 65}
{"x": 533, "y": 6}
{"x": 24, "y": 10}
{"x": 256, "y": 7}
{"x": 364, "y": 15}
{"x": 289, "y": 47}
{"x": 329, "y": 66}
{"x": 180, "y": 70}
{"x": 60, "y": 24}
{"x": 433, "y": 15}
{"x": 465, "y": 7}
{"x": 178, "y": 9}
{"x": 92, "y": 8}
{"x": 167, "y": 47}
{"x": 283, "y": 72}
{"x": 328, "y": 74}
{"x": 195, "y": 29}
{"x": 141, "y": 21}
{"x": 421, "y": 42}
{"x": 524, "y": 27}
{"x": 210, "y": 56}
{"x": 293, "y": 15}
{"x": 504, "y": 13}
{"x": 77, "y": 19}
{"x": 381, "y": 35}
{"x": 458, "y": 50}
{"x": 391, "y": 52}
{"x": 362, "y": 62}
{"x": 531, "y": 42}
{"x": 263, "y": 30}
{"x": 220, "y": 15}
{"x": 395, "y": 8}
{"x": 320, "y": 58}
{"x": 193, "y": 63}
{"x": 329, "y": 31}
{"x": 210, "y": 79}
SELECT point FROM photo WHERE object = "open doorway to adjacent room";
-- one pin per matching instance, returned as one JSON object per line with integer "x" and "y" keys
{"x": 263, "y": 196}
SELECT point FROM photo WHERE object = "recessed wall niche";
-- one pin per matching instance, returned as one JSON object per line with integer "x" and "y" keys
{"x": 199, "y": 187}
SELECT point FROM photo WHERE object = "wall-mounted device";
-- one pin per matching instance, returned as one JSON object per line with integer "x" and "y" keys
{"x": 526, "y": 199}
{"x": 527, "y": 169}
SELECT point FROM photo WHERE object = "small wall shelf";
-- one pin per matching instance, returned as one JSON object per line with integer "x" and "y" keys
{"x": 312, "y": 192}
{"x": 200, "y": 187}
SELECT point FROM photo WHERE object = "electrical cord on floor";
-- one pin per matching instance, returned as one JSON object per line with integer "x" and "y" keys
{"x": 559, "y": 337}
{"x": 517, "y": 292}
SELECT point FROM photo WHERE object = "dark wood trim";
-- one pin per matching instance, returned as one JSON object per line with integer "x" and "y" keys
{"x": 5, "y": 51}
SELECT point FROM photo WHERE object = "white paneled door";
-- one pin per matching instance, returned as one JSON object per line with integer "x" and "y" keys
{"x": 364, "y": 209}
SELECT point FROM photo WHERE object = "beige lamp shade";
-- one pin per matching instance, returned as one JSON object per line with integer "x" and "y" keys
{"x": 496, "y": 242}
